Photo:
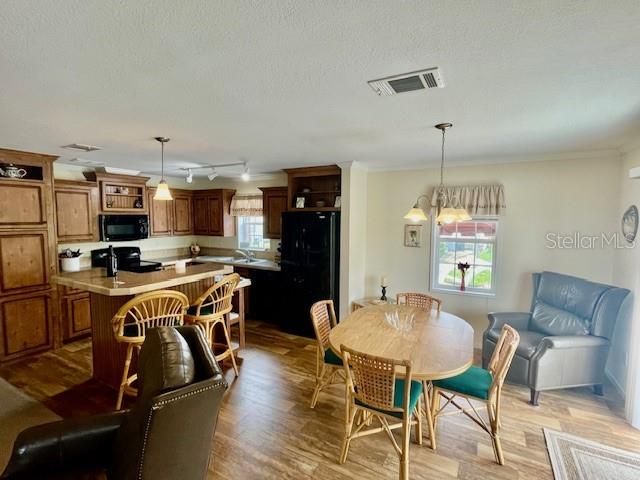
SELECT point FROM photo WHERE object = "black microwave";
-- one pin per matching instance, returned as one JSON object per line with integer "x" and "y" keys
{"x": 119, "y": 228}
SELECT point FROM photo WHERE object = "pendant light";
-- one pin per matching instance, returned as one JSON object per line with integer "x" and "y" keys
{"x": 447, "y": 211}
{"x": 162, "y": 190}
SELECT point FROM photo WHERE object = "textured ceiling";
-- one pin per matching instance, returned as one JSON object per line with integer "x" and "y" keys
{"x": 283, "y": 83}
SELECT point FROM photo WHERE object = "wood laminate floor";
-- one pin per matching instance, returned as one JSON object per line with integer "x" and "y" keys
{"x": 266, "y": 429}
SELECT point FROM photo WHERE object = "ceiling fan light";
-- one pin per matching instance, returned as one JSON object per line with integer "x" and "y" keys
{"x": 162, "y": 191}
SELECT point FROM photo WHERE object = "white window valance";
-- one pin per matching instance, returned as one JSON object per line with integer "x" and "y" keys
{"x": 246, "y": 206}
{"x": 475, "y": 199}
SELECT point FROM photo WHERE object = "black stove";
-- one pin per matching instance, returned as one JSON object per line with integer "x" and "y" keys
{"x": 128, "y": 260}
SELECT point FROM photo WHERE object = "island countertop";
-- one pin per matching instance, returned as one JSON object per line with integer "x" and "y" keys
{"x": 129, "y": 283}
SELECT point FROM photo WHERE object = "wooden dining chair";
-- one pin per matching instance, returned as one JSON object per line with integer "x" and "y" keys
{"x": 328, "y": 365}
{"x": 480, "y": 384}
{"x": 420, "y": 300}
{"x": 162, "y": 308}
{"x": 381, "y": 389}
{"x": 211, "y": 309}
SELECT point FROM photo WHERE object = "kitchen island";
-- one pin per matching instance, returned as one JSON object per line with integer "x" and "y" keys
{"x": 107, "y": 295}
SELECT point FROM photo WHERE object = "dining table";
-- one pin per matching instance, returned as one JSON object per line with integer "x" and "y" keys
{"x": 438, "y": 344}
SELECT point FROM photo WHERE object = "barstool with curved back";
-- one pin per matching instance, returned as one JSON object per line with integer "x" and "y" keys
{"x": 162, "y": 308}
{"x": 420, "y": 300}
{"x": 328, "y": 364}
{"x": 211, "y": 309}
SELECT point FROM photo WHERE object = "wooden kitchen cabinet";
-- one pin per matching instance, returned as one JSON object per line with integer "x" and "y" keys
{"x": 160, "y": 215}
{"x": 170, "y": 217}
{"x": 76, "y": 211}
{"x": 75, "y": 313}
{"x": 121, "y": 193}
{"x": 25, "y": 324}
{"x": 274, "y": 202}
{"x": 28, "y": 257}
{"x": 212, "y": 213}
{"x": 22, "y": 204}
{"x": 182, "y": 212}
{"x": 24, "y": 261}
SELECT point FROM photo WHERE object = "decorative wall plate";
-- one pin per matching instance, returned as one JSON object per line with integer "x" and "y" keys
{"x": 630, "y": 223}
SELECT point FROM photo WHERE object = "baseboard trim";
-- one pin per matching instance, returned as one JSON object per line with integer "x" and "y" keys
{"x": 615, "y": 383}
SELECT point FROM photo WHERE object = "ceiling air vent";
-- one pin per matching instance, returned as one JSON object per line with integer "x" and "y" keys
{"x": 81, "y": 147}
{"x": 408, "y": 82}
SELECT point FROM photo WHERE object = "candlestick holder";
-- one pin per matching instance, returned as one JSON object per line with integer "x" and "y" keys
{"x": 384, "y": 293}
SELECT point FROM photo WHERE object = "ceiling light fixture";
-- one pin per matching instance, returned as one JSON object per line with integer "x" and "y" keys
{"x": 447, "y": 212}
{"x": 189, "y": 178}
{"x": 212, "y": 175}
{"x": 245, "y": 175}
{"x": 162, "y": 190}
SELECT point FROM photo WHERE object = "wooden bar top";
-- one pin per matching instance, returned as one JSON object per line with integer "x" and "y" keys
{"x": 129, "y": 283}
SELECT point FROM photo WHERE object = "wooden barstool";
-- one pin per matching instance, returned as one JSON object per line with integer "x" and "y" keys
{"x": 162, "y": 308}
{"x": 211, "y": 309}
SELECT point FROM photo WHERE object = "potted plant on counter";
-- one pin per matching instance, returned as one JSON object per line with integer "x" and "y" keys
{"x": 69, "y": 260}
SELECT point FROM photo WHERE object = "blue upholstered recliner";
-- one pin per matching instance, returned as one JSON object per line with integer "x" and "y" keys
{"x": 565, "y": 338}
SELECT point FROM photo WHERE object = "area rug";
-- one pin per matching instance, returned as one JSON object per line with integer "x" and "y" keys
{"x": 17, "y": 412}
{"x": 574, "y": 458}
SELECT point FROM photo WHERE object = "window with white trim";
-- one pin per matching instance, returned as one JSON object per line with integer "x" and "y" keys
{"x": 473, "y": 242}
{"x": 250, "y": 231}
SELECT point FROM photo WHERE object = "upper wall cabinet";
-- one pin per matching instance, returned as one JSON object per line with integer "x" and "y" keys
{"x": 121, "y": 193}
{"x": 22, "y": 204}
{"x": 160, "y": 215}
{"x": 212, "y": 213}
{"x": 76, "y": 211}
{"x": 315, "y": 188}
{"x": 171, "y": 217}
{"x": 182, "y": 212}
{"x": 274, "y": 202}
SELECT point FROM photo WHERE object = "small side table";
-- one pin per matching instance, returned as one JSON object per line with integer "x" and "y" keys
{"x": 368, "y": 301}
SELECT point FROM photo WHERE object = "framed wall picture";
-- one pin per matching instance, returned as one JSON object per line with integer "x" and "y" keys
{"x": 299, "y": 202}
{"x": 413, "y": 235}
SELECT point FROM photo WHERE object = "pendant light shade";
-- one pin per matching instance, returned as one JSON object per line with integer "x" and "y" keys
{"x": 452, "y": 215}
{"x": 416, "y": 214}
{"x": 162, "y": 190}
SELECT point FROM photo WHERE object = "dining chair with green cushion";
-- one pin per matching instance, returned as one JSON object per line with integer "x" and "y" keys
{"x": 378, "y": 388}
{"x": 328, "y": 363}
{"x": 211, "y": 309}
{"x": 479, "y": 384}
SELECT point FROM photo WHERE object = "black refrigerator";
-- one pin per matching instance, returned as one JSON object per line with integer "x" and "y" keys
{"x": 310, "y": 249}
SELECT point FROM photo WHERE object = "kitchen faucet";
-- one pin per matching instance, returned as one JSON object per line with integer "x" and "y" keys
{"x": 248, "y": 255}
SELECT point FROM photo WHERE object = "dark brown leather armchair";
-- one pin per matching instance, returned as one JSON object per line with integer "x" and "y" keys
{"x": 167, "y": 435}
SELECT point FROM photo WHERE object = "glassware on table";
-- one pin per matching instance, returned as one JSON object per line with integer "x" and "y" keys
{"x": 403, "y": 322}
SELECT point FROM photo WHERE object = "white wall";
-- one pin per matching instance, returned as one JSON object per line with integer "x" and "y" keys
{"x": 624, "y": 356}
{"x": 563, "y": 195}
{"x": 352, "y": 234}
